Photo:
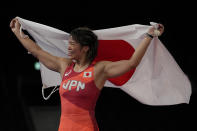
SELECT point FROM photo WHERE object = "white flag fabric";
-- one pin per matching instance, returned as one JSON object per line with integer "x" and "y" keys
{"x": 158, "y": 80}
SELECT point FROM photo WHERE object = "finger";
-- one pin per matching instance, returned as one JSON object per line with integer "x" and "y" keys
{"x": 159, "y": 26}
{"x": 12, "y": 23}
{"x": 17, "y": 22}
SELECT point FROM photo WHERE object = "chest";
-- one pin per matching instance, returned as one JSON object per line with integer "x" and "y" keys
{"x": 78, "y": 81}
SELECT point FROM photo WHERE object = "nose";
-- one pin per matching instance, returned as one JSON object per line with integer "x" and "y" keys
{"x": 69, "y": 47}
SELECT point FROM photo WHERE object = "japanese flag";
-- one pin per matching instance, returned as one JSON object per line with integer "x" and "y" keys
{"x": 87, "y": 74}
{"x": 158, "y": 80}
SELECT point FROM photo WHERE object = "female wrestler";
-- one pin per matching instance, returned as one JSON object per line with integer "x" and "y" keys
{"x": 82, "y": 79}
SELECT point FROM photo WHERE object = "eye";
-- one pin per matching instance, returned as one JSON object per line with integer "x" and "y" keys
{"x": 72, "y": 43}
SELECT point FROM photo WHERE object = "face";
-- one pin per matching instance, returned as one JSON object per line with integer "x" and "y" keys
{"x": 75, "y": 51}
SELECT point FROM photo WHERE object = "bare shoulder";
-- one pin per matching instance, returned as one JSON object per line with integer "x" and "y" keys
{"x": 99, "y": 74}
{"x": 64, "y": 62}
{"x": 101, "y": 64}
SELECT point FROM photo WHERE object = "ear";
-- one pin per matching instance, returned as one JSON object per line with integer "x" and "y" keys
{"x": 86, "y": 48}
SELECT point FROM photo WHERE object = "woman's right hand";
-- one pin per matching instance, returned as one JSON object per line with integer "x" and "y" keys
{"x": 15, "y": 25}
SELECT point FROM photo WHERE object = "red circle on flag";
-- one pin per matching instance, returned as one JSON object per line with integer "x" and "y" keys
{"x": 87, "y": 74}
{"x": 116, "y": 50}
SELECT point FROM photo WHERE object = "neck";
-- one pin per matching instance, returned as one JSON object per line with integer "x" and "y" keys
{"x": 82, "y": 63}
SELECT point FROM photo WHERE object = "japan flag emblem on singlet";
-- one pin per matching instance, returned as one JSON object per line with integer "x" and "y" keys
{"x": 87, "y": 74}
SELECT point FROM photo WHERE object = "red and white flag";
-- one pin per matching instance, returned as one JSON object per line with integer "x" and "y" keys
{"x": 158, "y": 80}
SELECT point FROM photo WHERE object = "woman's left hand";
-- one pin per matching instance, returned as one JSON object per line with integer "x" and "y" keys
{"x": 156, "y": 32}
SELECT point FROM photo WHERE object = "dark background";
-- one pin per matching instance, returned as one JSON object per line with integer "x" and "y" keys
{"x": 23, "y": 107}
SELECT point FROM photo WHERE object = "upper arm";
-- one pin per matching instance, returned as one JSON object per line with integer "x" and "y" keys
{"x": 50, "y": 61}
{"x": 117, "y": 68}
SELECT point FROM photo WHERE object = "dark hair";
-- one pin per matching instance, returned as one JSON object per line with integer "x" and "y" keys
{"x": 86, "y": 37}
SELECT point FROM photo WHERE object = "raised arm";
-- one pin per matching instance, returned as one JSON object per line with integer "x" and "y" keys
{"x": 114, "y": 69}
{"x": 52, "y": 62}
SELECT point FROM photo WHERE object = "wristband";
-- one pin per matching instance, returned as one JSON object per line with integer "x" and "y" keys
{"x": 149, "y": 35}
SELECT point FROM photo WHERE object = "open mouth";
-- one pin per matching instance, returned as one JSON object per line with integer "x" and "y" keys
{"x": 69, "y": 53}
